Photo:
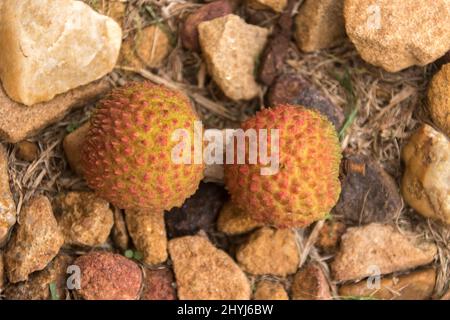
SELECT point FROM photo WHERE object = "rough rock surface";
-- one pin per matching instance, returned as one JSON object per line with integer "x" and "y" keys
{"x": 275, "y": 5}
{"x": 17, "y": 122}
{"x": 396, "y": 34}
{"x": 291, "y": 89}
{"x": 439, "y": 99}
{"x": 417, "y": 285}
{"x": 270, "y": 290}
{"x": 27, "y": 151}
{"x": 369, "y": 194}
{"x": 112, "y": 8}
{"x": 119, "y": 233}
{"x": 148, "y": 232}
{"x": 108, "y": 276}
{"x": 425, "y": 183}
{"x": 37, "y": 287}
{"x": 35, "y": 242}
{"x": 2, "y": 272}
{"x": 84, "y": 218}
{"x": 72, "y": 144}
{"x": 199, "y": 212}
{"x": 54, "y": 47}
{"x": 7, "y": 205}
{"x": 204, "y": 272}
{"x": 330, "y": 235}
{"x": 320, "y": 24}
{"x": 233, "y": 221}
{"x": 269, "y": 251}
{"x": 159, "y": 285}
{"x": 369, "y": 249}
{"x": 189, "y": 32}
{"x": 231, "y": 48}
{"x": 310, "y": 283}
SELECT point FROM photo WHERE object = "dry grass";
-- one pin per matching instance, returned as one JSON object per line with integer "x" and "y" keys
{"x": 389, "y": 108}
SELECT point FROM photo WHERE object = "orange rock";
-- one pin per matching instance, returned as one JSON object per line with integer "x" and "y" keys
{"x": 27, "y": 151}
{"x": 270, "y": 290}
{"x": 7, "y": 204}
{"x": 234, "y": 221}
{"x": 439, "y": 99}
{"x": 72, "y": 144}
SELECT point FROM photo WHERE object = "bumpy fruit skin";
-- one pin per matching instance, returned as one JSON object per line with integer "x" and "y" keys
{"x": 126, "y": 157}
{"x": 306, "y": 186}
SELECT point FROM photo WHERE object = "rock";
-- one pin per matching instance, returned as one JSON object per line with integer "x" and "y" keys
{"x": 291, "y": 89}
{"x": 310, "y": 283}
{"x": 368, "y": 193}
{"x": 369, "y": 249}
{"x": 148, "y": 232}
{"x": 231, "y": 48}
{"x": 417, "y": 285}
{"x": 38, "y": 285}
{"x": 59, "y": 46}
{"x": 330, "y": 235}
{"x": 2, "y": 272}
{"x": 189, "y": 32}
{"x": 120, "y": 233}
{"x": 27, "y": 151}
{"x": 72, "y": 144}
{"x": 84, "y": 219}
{"x": 108, "y": 276}
{"x": 204, "y": 272}
{"x": 112, "y": 8}
{"x": 7, "y": 205}
{"x": 18, "y": 122}
{"x": 270, "y": 290}
{"x": 425, "y": 182}
{"x": 439, "y": 99}
{"x": 159, "y": 285}
{"x": 233, "y": 221}
{"x": 275, "y": 5}
{"x": 276, "y": 50}
{"x": 269, "y": 251}
{"x": 319, "y": 24}
{"x": 35, "y": 242}
{"x": 199, "y": 212}
{"x": 395, "y": 35}
{"x": 147, "y": 48}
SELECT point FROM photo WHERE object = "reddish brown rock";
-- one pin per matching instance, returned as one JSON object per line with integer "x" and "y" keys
{"x": 269, "y": 251}
{"x": 270, "y": 290}
{"x": 368, "y": 193}
{"x": 7, "y": 204}
{"x": 72, "y": 144}
{"x": 204, "y": 272}
{"x": 35, "y": 242}
{"x": 417, "y": 285}
{"x": 108, "y": 276}
{"x": 310, "y": 283}
{"x": 330, "y": 235}
{"x": 27, "y": 151}
{"x": 189, "y": 32}
{"x": 291, "y": 89}
{"x": 439, "y": 99}
{"x": 378, "y": 248}
{"x": 159, "y": 285}
{"x": 17, "y": 122}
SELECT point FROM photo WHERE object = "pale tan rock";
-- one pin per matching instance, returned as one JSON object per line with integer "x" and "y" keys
{"x": 148, "y": 232}
{"x": 2, "y": 272}
{"x": 72, "y": 144}
{"x": 204, "y": 272}
{"x": 425, "y": 183}
{"x": 27, "y": 151}
{"x": 417, "y": 285}
{"x": 377, "y": 248}
{"x": 35, "y": 242}
{"x": 7, "y": 205}
{"x": 84, "y": 218}
{"x": 310, "y": 283}
{"x": 53, "y": 47}
{"x": 439, "y": 99}
{"x": 234, "y": 221}
{"x": 18, "y": 122}
{"x": 269, "y": 251}
{"x": 275, "y": 5}
{"x": 231, "y": 48}
{"x": 397, "y": 34}
{"x": 37, "y": 287}
{"x": 270, "y": 290}
{"x": 319, "y": 24}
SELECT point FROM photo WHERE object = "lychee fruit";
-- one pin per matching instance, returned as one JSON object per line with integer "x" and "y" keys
{"x": 306, "y": 186}
{"x": 127, "y": 155}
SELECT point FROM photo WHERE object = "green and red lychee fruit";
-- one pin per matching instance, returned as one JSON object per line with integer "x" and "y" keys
{"x": 127, "y": 155}
{"x": 306, "y": 186}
